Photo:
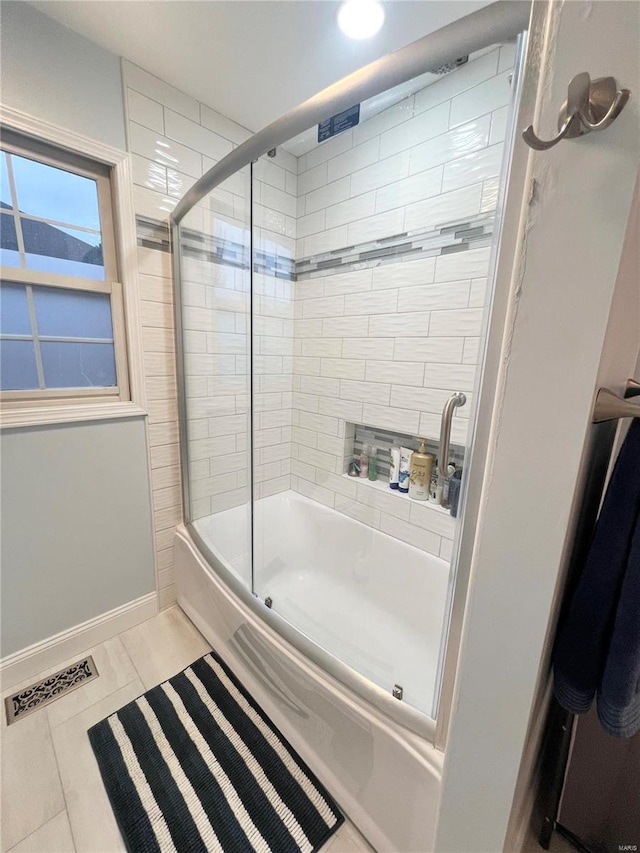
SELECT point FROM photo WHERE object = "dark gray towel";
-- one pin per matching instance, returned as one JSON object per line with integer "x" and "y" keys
{"x": 598, "y": 644}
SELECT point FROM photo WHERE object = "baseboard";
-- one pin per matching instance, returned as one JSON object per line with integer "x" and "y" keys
{"x": 55, "y": 650}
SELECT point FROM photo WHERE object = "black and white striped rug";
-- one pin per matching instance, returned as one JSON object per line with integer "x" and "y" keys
{"x": 194, "y": 765}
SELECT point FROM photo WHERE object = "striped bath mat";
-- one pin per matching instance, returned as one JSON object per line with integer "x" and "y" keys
{"x": 194, "y": 765}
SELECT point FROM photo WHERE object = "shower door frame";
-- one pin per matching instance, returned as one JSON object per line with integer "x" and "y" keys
{"x": 501, "y": 21}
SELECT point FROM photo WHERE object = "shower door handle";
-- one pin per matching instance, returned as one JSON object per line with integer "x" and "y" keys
{"x": 455, "y": 400}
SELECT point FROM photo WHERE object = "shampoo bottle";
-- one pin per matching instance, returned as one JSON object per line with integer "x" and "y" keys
{"x": 394, "y": 468}
{"x": 420, "y": 476}
{"x": 405, "y": 465}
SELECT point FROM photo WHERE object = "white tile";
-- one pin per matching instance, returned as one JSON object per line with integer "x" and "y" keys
{"x": 430, "y": 427}
{"x": 353, "y": 159}
{"x": 321, "y": 385}
{"x": 460, "y": 322}
{"x": 195, "y": 136}
{"x": 151, "y": 204}
{"x": 278, "y": 200}
{"x": 384, "y": 120}
{"x": 425, "y": 399}
{"x": 455, "y": 143}
{"x": 389, "y": 502}
{"x": 397, "y": 372}
{"x": 384, "y": 417}
{"x": 353, "y": 281}
{"x": 376, "y": 227}
{"x": 316, "y": 493}
{"x": 312, "y": 179}
{"x": 91, "y": 817}
{"x": 411, "y": 534}
{"x": 144, "y": 111}
{"x": 342, "y": 368}
{"x": 458, "y": 376}
{"x": 409, "y": 190}
{"x": 429, "y": 297}
{"x": 155, "y": 146}
{"x": 478, "y": 294}
{"x": 446, "y": 549}
{"x": 415, "y": 131}
{"x": 351, "y": 210}
{"x": 31, "y": 789}
{"x": 348, "y": 410}
{"x": 483, "y": 98}
{"x": 326, "y": 241}
{"x": 507, "y": 56}
{"x": 310, "y": 224}
{"x": 472, "y": 352}
{"x": 149, "y": 173}
{"x": 399, "y": 325}
{"x": 52, "y": 837}
{"x": 337, "y": 483}
{"x": 498, "y": 125}
{"x": 325, "y": 196}
{"x": 161, "y": 647}
{"x": 380, "y": 174}
{"x": 328, "y": 149}
{"x": 305, "y": 402}
{"x": 432, "y": 519}
{"x": 365, "y": 392}
{"x": 306, "y": 365}
{"x": 319, "y": 422}
{"x": 404, "y": 273}
{"x": 472, "y": 168}
{"x": 459, "y": 266}
{"x": 160, "y": 91}
{"x": 223, "y": 126}
{"x": 339, "y": 327}
{"x": 367, "y": 348}
{"x": 382, "y": 302}
{"x": 490, "y": 191}
{"x": 354, "y": 509}
{"x": 441, "y": 209}
{"x": 330, "y": 306}
{"x": 463, "y": 78}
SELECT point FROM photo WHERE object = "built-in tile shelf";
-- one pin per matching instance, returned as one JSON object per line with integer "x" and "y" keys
{"x": 383, "y": 486}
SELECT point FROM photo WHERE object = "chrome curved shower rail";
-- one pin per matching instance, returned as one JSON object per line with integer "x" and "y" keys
{"x": 498, "y": 22}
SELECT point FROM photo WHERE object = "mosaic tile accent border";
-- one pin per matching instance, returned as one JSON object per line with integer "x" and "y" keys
{"x": 154, "y": 234}
{"x": 475, "y": 233}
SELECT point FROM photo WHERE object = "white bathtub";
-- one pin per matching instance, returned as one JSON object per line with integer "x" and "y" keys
{"x": 374, "y": 605}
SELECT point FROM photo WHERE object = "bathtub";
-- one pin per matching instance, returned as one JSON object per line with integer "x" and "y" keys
{"x": 327, "y": 682}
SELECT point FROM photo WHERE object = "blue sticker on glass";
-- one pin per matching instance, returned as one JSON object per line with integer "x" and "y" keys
{"x": 337, "y": 123}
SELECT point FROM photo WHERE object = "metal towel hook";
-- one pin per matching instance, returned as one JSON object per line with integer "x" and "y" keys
{"x": 590, "y": 105}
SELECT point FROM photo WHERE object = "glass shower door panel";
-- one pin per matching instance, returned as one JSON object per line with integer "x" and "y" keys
{"x": 215, "y": 252}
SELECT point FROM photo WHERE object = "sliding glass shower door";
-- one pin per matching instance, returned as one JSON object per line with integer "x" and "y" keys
{"x": 215, "y": 324}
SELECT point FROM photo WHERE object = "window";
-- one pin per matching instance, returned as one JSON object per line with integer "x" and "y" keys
{"x": 62, "y": 333}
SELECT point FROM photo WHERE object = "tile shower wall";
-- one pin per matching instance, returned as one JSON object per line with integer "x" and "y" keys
{"x": 381, "y": 341}
{"x": 173, "y": 140}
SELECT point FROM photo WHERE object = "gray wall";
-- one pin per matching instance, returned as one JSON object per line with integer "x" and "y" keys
{"x": 55, "y": 74}
{"x": 76, "y": 535}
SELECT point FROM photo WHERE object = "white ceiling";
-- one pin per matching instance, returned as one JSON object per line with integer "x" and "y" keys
{"x": 250, "y": 60}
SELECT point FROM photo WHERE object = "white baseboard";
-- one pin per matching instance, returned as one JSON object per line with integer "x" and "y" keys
{"x": 54, "y": 651}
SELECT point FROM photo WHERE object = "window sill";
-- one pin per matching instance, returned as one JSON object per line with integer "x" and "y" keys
{"x": 67, "y": 414}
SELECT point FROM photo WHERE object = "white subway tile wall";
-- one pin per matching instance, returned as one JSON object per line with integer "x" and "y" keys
{"x": 381, "y": 346}
{"x": 386, "y": 346}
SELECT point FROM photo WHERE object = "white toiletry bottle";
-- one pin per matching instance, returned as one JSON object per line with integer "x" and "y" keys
{"x": 364, "y": 461}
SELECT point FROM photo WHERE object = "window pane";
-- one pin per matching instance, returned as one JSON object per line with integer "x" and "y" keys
{"x": 72, "y": 313}
{"x": 8, "y": 239}
{"x": 40, "y": 238}
{"x": 17, "y": 366}
{"x": 69, "y": 365}
{"x": 41, "y": 263}
{"x": 5, "y": 192}
{"x": 14, "y": 314}
{"x": 44, "y": 190}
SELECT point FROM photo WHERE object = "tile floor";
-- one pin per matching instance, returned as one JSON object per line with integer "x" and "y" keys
{"x": 53, "y": 800}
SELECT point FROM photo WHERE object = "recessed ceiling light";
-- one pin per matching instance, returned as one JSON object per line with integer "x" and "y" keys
{"x": 361, "y": 19}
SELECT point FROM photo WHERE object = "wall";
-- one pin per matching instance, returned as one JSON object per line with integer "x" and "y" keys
{"x": 76, "y": 534}
{"x": 385, "y": 342}
{"x": 542, "y": 412}
{"x": 76, "y": 526}
{"x": 53, "y": 73}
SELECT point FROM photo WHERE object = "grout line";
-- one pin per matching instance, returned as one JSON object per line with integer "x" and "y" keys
{"x": 53, "y": 817}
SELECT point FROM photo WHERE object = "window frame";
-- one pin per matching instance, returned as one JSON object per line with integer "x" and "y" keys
{"x": 117, "y": 223}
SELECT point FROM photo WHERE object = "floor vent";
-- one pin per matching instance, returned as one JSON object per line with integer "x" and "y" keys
{"x": 44, "y": 692}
